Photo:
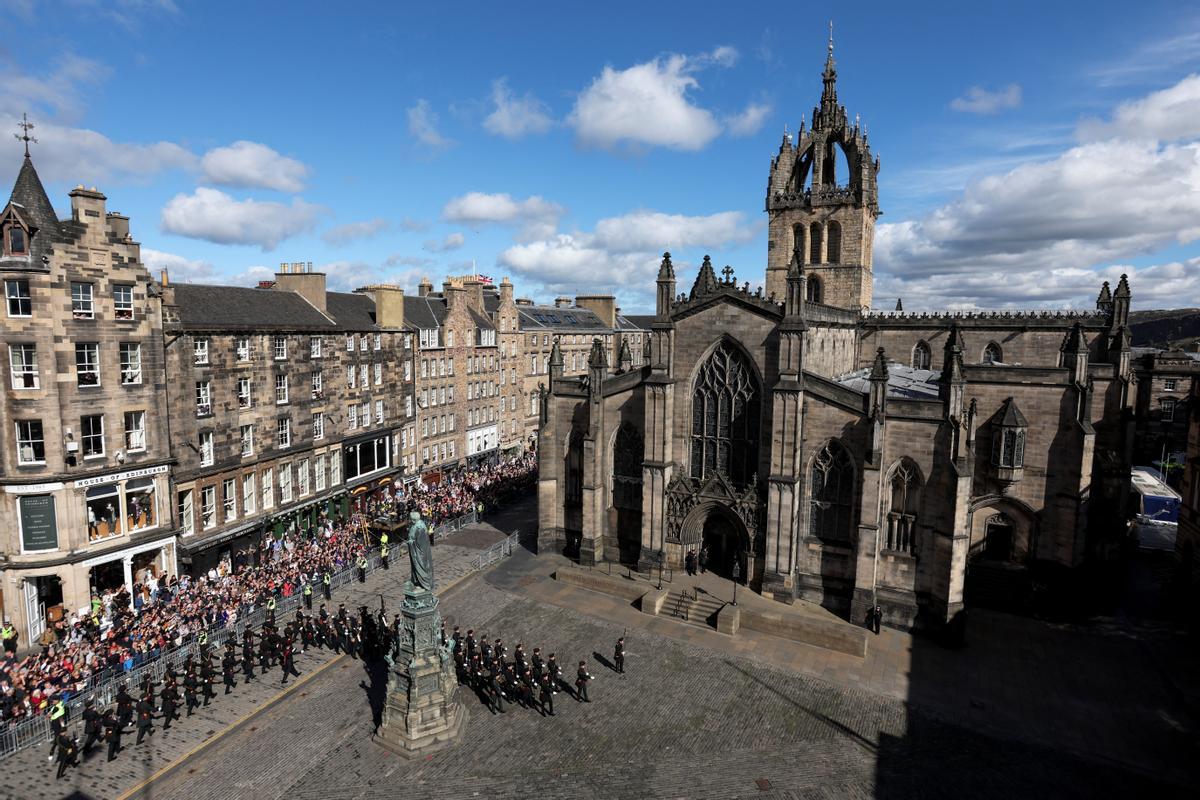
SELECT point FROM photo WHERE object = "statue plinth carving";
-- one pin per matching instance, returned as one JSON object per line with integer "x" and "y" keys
{"x": 422, "y": 714}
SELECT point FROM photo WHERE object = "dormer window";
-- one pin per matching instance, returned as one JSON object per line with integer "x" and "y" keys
{"x": 14, "y": 234}
{"x": 18, "y": 243}
{"x": 1009, "y": 429}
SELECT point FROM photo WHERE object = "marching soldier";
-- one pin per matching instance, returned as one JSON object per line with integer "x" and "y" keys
{"x": 519, "y": 658}
{"x": 124, "y": 707}
{"x": 264, "y": 652}
{"x": 206, "y": 680}
{"x": 496, "y": 692}
{"x": 548, "y": 690}
{"x": 555, "y": 671}
{"x": 619, "y": 656}
{"x": 191, "y": 687}
{"x": 170, "y": 702}
{"x": 470, "y": 642}
{"x": 457, "y": 638}
{"x": 499, "y": 651}
{"x": 145, "y": 718}
{"x": 67, "y": 754}
{"x": 485, "y": 650}
{"x": 92, "y": 728}
{"x": 229, "y": 668}
{"x": 112, "y": 733}
{"x": 248, "y": 656}
{"x": 289, "y": 666}
{"x": 582, "y": 676}
{"x": 528, "y": 690}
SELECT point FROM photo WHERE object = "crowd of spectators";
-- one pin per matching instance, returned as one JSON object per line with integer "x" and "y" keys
{"x": 121, "y": 630}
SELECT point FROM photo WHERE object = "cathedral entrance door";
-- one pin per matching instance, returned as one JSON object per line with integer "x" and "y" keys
{"x": 725, "y": 544}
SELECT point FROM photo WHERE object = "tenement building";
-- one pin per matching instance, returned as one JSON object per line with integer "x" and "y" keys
{"x": 1187, "y": 541}
{"x": 823, "y": 451}
{"x": 1164, "y": 382}
{"x": 84, "y": 453}
{"x": 286, "y": 401}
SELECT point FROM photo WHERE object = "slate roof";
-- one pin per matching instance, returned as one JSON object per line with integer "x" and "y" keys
{"x": 481, "y": 320}
{"x": 424, "y": 312}
{"x": 352, "y": 312}
{"x": 904, "y": 383}
{"x": 562, "y": 319}
{"x": 29, "y": 193}
{"x": 639, "y": 322}
{"x": 207, "y": 307}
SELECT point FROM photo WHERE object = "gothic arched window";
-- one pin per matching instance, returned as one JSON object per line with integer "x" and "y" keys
{"x": 812, "y": 291}
{"x": 922, "y": 356}
{"x": 725, "y": 414}
{"x": 902, "y": 513}
{"x": 814, "y": 243}
{"x": 992, "y": 354}
{"x": 833, "y": 249}
{"x": 831, "y": 494}
{"x": 574, "y": 494}
{"x": 798, "y": 240}
{"x": 628, "y": 451}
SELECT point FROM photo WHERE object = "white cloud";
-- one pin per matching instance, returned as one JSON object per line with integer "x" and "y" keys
{"x": 422, "y": 125}
{"x": 1168, "y": 115}
{"x": 537, "y": 217}
{"x": 622, "y": 251}
{"x": 749, "y": 121}
{"x": 724, "y": 56}
{"x": 414, "y": 225}
{"x": 978, "y": 100}
{"x": 646, "y": 104}
{"x": 348, "y": 275}
{"x": 253, "y": 166}
{"x": 59, "y": 91}
{"x": 1040, "y": 233}
{"x": 354, "y": 231}
{"x": 214, "y": 216}
{"x": 180, "y": 269}
{"x": 514, "y": 117}
{"x": 399, "y": 260}
{"x": 452, "y": 241}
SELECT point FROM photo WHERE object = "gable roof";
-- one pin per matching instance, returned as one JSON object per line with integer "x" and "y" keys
{"x": 424, "y": 312}
{"x": 28, "y": 192}
{"x": 351, "y": 311}
{"x": 207, "y": 307}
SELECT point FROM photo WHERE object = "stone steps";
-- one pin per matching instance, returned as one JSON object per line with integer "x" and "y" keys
{"x": 700, "y": 611}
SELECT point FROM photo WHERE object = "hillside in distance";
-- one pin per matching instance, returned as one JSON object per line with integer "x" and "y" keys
{"x": 1165, "y": 328}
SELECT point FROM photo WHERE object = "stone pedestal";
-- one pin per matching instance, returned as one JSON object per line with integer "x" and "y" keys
{"x": 423, "y": 714}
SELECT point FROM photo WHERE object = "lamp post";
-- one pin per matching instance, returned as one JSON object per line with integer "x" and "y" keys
{"x": 737, "y": 573}
{"x": 660, "y": 557}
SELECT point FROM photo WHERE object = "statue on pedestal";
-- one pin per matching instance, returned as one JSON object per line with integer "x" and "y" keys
{"x": 420, "y": 553}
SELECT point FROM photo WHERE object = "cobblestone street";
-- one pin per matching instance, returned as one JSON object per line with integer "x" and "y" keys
{"x": 698, "y": 715}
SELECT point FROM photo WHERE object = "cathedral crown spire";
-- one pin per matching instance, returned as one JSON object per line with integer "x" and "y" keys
{"x": 829, "y": 78}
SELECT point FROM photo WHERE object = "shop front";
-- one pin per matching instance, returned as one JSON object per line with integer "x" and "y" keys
{"x": 130, "y": 566}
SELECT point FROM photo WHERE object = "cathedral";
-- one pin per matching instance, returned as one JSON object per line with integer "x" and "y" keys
{"x": 825, "y": 451}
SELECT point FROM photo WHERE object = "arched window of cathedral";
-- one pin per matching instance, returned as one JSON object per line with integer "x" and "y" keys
{"x": 725, "y": 412}
{"x": 922, "y": 356}
{"x": 833, "y": 249}
{"x": 831, "y": 494}
{"x": 798, "y": 240}
{"x": 902, "y": 512}
{"x": 812, "y": 290}
{"x": 628, "y": 451}
{"x": 814, "y": 243}
{"x": 574, "y": 494}
{"x": 992, "y": 354}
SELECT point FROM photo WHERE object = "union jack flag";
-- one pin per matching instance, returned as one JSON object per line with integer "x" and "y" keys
{"x": 483, "y": 279}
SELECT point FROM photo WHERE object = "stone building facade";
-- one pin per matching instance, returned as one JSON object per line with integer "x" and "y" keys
{"x": 84, "y": 450}
{"x": 825, "y": 452}
{"x": 1187, "y": 540}
{"x": 1163, "y": 410}
{"x": 285, "y": 400}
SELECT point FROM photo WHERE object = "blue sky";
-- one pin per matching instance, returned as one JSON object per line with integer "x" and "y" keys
{"x": 1029, "y": 150}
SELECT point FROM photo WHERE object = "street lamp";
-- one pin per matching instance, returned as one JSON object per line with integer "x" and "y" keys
{"x": 737, "y": 573}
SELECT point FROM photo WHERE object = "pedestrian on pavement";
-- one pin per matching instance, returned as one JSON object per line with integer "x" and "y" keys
{"x": 582, "y": 676}
{"x": 876, "y": 618}
{"x": 619, "y": 656}
{"x": 703, "y": 559}
{"x": 689, "y": 562}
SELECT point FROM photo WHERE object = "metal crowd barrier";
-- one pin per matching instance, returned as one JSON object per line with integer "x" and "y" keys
{"x": 102, "y": 687}
{"x": 499, "y": 550}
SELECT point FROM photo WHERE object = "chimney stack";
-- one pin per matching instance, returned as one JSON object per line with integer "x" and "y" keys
{"x": 309, "y": 285}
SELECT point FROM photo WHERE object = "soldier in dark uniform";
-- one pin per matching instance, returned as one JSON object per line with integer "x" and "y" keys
{"x": 457, "y": 637}
{"x": 470, "y": 642}
{"x": 519, "y": 658}
{"x": 619, "y": 655}
{"x": 207, "y": 674}
{"x": 112, "y": 733}
{"x": 529, "y": 690}
{"x": 539, "y": 665}
{"x": 548, "y": 690}
{"x": 92, "y": 729}
{"x": 248, "y": 656}
{"x": 229, "y": 668}
{"x": 264, "y": 652}
{"x": 289, "y": 667}
{"x": 68, "y": 756}
{"x": 460, "y": 666}
{"x": 496, "y": 691}
{"x": 353, "y": 641}
{"x": 499, "y": 651}
{"x": 191, "y": 687}
{"x": 124, "y": 706}
{"x": 485, "y": 651}
{"x": 582, "y": 676}
{"x": 145, "y": 718}
{"x": 442, "y": 634}
{"x": 555, "y": 672}
{"x": 170, "y": 702}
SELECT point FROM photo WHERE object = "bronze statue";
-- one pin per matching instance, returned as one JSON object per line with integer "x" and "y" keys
{"x": 420, "y": 553}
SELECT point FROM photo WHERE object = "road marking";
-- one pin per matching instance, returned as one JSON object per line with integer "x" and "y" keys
{"x": 228, "y": 729}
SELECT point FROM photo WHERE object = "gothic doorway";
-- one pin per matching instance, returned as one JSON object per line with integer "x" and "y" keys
{"x": 998, "y": 538}
{"x": 727, "y": 543}
{"x": 997, "y": 575}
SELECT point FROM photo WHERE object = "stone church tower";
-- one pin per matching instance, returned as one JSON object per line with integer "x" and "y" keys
{"x": 827, "y": 217}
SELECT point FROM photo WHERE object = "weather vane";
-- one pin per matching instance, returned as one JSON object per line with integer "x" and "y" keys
{"x": 26, "y": 126}
{"x": 831, "y": 38}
